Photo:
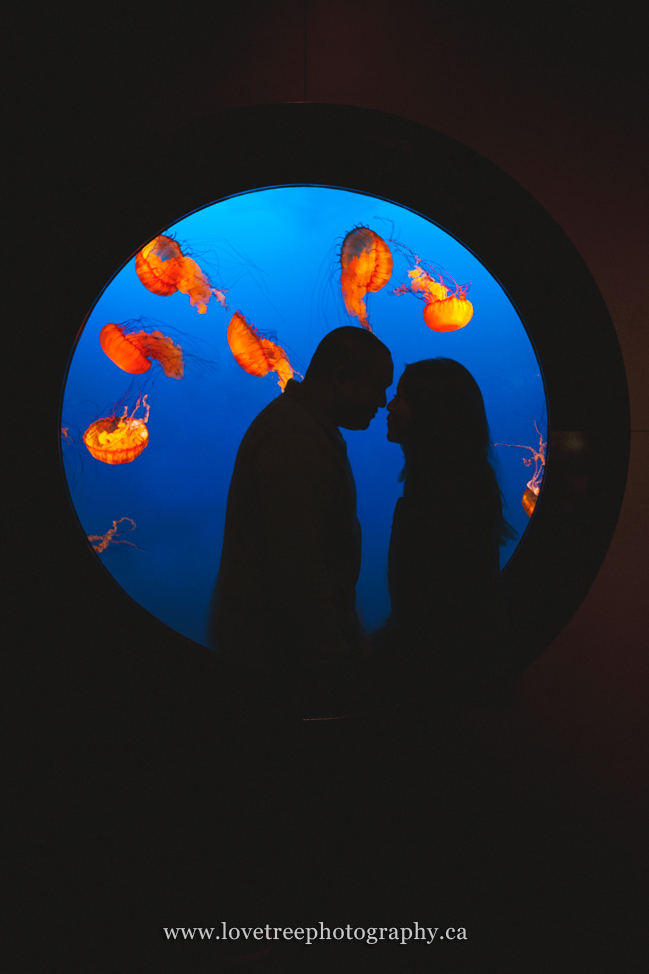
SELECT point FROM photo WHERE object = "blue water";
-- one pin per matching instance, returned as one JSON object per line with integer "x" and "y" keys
{"x": 276, "y": 251}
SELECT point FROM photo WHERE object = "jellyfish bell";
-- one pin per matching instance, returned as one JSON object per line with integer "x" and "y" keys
{"x": 256, "y": 354}
{"x": 530, "y": 498}
{"x": 124, "y": 350}
{"x": 159, "y": 265}
{"x": 122, "y": 439}
{"x": 133, "y": 351}
{"x": 363, "y": 242}
{"x": 164, "y": 269}
{"x": 448, "y": 314}
{"x": 366, "y": 263}
{"x": 533, "y": 489}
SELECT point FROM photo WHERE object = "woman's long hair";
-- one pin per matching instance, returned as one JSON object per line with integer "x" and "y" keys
{"x": 448, "y": 437}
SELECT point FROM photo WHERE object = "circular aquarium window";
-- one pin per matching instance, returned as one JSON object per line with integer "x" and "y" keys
{"x": 198, "y": 331}
{"x": 159, "y": 391}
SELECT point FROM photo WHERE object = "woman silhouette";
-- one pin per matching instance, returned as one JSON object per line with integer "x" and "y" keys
{"x": 445, "y": 642}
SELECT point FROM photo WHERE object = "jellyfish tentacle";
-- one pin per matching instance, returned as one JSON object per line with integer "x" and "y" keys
{"x": 162, "y": 348}
{"x": 533, "y": 487}
{"x": 103, "y": 540}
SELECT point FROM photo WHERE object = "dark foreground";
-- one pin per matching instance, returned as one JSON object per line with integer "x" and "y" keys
{"x": 172, "y": 811}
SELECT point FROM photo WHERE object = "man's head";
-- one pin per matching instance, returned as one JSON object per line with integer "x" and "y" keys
{"x": 349, "y": 374}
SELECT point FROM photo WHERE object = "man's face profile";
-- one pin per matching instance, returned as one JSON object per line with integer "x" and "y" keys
{"x": 363, "y": 394}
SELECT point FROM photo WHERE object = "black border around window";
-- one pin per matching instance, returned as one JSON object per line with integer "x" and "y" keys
{"x": 509, "y": 232}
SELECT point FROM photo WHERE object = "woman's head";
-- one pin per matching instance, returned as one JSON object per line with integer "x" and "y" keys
{"x": 438, "y": 416}
{"x": 438, "y": 408}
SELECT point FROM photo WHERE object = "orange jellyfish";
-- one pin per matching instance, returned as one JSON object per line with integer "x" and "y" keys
{"x": 103, "y": 540}
{"x": 443, "y": 311}
{"x": 529, "y": 501}
{"x": 449, "y": 313}
{"x": 164, "y": 269}
{"x": 133, "y": 352}
{"x": 119, "y": 439}
{"x": 531, "y": 494}
{"x": 366, "y": 262}
{"x": 254, "y": 353}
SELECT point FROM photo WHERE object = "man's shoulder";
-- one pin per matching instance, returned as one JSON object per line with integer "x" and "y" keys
{"x": 282, "y": 406}
{"x": 283, "y": 416}
{"x": 285, "y": 429}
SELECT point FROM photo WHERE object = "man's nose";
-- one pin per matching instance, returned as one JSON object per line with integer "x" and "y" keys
{"x": 383, "y": 398}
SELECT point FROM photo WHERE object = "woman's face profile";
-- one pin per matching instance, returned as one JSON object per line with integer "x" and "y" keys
{"x": 399, "y": 417}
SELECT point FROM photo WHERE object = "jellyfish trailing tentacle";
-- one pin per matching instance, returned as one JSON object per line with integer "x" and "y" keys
{"x": 163, "y": 269}
{"x": 103, "y": 540}
{"x": 133, "y": 351}
{"x": 256, "y": 354}
{"x": 531, "y": 494}
{"x": 443, "y": 311}
{"x": 72, "y": 451}
{"x": 366, "y": 262}
{"x": 120, "y": 439}
{"x": 162, "y": 348}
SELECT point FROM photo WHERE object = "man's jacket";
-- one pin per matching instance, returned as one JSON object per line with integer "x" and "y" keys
{"x": 285, "y": 596}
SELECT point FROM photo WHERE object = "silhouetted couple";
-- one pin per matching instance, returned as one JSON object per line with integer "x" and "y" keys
{"x": 284, "y": 607}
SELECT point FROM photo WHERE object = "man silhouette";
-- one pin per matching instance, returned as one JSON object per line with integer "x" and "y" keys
{"x": 284, "y": 606}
